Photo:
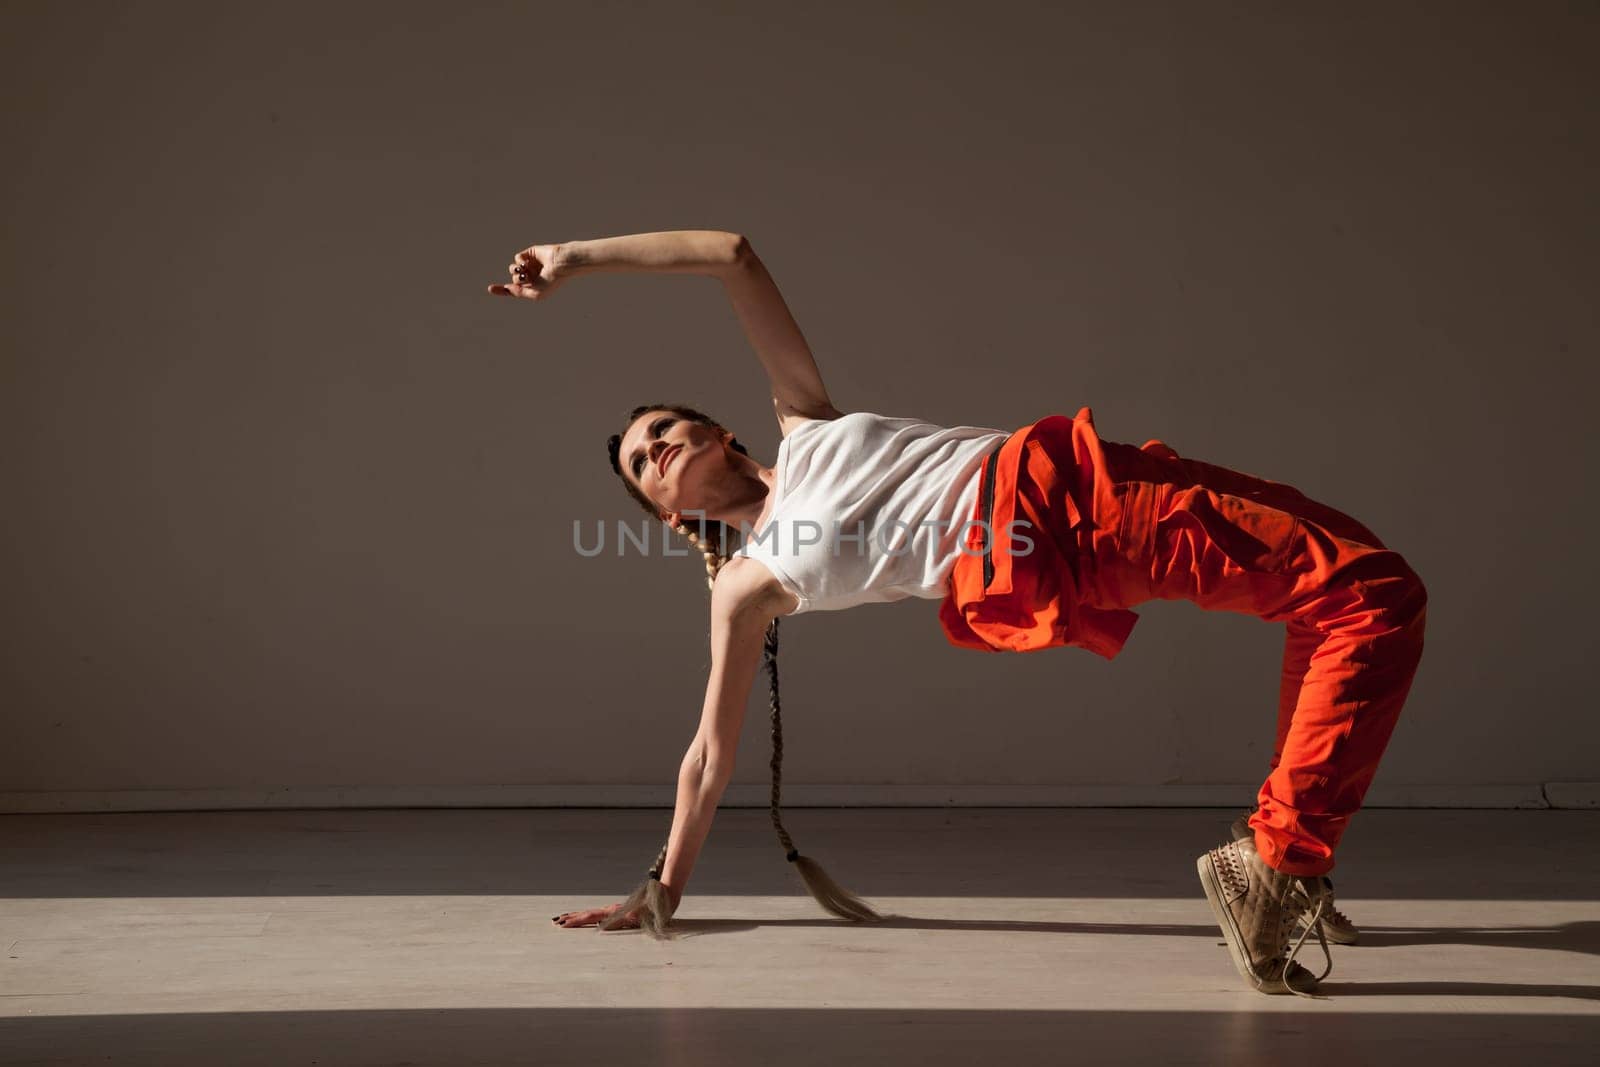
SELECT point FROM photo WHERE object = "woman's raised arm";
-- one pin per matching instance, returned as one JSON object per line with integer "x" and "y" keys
{"x": 710, "y": 252}
{"x": 797, "y": 390}
{"x": 538, "y": 269}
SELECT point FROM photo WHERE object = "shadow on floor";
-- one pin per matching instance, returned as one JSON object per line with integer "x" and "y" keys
{"x": 1581, "y": 937}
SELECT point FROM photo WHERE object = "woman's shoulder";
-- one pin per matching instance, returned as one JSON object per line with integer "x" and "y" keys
{"x": 753, "y": 581}
{"x": 861, "y": 422}
{"x": 791, "y": 419}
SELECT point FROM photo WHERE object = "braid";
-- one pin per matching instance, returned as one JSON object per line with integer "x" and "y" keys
{"x": 770, "y": 661}
{"x": 650, "y": 898}
{"x": 830, "y": 894}
{"x": 714, "y": 558}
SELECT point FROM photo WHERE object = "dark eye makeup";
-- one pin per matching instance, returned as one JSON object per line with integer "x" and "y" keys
{"x": 656, "y": 429}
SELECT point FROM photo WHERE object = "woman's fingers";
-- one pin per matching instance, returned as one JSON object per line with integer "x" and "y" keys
{"x": 525, "y": 291}
{"x": 527, "y": 276}
{"x": 579, "y": 918}
{"x": 592, "y": 917}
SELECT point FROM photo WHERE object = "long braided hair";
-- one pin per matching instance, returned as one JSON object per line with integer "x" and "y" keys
{"x": 710, "y": 536}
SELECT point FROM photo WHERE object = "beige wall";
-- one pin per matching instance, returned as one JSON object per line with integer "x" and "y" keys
{"x": 289, "y": 500}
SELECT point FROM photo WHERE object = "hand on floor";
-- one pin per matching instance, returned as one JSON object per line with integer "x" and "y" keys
{"x": 594, "y": 917}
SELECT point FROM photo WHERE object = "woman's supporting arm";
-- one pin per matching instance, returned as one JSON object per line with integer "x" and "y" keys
{"x": 700, "y": 789}
{"x": 712, "y": 252}
{"x": 744, "y": 601}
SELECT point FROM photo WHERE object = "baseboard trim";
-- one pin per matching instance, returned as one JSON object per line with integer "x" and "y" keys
{"x": 1572, "y": 794}
{"x": 796, "y": 795}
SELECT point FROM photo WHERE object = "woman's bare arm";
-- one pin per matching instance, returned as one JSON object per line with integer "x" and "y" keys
{"x": 797, "y": 390}
{"x": 710, "y": 252}
{"x": 744, "y": 600}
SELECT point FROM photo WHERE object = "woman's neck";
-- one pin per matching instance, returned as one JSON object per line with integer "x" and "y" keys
{"x": 753, "y": 507}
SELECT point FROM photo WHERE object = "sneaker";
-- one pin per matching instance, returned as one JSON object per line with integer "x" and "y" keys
{"x": 1336, "y": 925}
{"x": 1258, "y": 909}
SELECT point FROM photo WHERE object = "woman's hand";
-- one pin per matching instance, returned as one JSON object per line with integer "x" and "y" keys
{"x": 535, "y": 272}
{"x": 594, "y": 917}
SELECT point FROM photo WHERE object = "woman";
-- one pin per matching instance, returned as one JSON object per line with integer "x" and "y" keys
{"x": 1040, "y": 537}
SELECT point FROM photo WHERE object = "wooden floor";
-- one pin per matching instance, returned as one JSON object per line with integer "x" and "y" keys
{"x": 1022, "y": 936}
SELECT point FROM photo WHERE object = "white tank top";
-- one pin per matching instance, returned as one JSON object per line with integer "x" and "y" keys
{"x": 870, "y": 508}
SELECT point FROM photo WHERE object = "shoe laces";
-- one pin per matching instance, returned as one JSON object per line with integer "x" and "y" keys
{"x": 1297, "y": 902}
{"x": 1331, "y": 913}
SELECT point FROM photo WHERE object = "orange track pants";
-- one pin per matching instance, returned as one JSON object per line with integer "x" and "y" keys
{"x": 1353, "y": 608}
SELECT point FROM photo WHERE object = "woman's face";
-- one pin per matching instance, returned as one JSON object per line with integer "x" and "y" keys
{"x": 672, "y": 460}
